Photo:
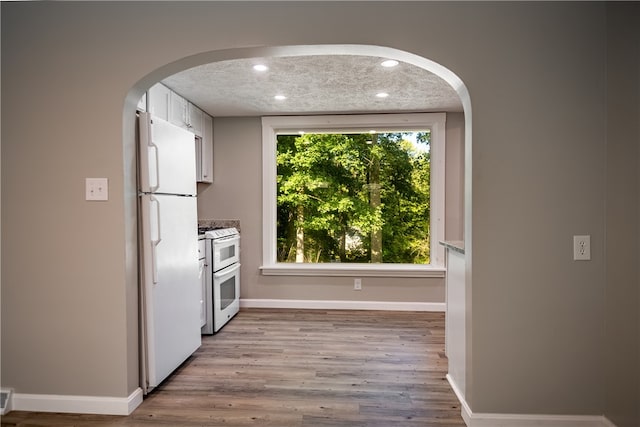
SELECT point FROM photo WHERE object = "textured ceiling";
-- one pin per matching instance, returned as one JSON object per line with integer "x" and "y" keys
{"x": 321, "y": 84}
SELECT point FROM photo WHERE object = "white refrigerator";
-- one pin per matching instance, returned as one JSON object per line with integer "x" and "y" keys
{"x": 168, "y": 220}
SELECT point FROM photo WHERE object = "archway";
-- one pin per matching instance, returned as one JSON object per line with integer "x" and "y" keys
{"x": 286, "y": 51}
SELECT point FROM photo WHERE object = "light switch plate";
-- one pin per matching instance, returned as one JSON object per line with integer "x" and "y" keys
{"x": 97, "y": 189}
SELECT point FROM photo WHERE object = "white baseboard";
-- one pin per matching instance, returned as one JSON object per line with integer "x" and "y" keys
{"x": 474, "y": 419}
{"x": 343, "y": 305}
{"x": 464, "y": 407}
{"x": 525, "y": 420}
{"x": 77, "y": 404}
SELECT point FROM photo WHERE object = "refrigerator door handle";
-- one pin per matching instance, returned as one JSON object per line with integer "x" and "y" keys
{"x": 150, "y": 166}
{"x": 154, "y": 188}
{"x": 155, "y": 242}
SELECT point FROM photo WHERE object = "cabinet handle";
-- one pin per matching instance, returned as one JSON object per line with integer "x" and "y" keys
{"x": 205, "y": 174}
{"x": 203, "y": 160}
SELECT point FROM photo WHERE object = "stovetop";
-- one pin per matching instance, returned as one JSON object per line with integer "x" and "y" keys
{"x": 202, "y": 230}
{"x": 217, "y": 232}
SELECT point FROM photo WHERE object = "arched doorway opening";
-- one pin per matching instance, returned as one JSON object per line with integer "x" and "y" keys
{"x": 294, "y": 51}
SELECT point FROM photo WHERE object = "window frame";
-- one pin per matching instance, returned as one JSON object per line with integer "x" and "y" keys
{"x": 275, "y": 125}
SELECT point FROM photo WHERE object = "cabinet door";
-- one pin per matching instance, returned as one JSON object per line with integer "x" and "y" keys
{"x": 195, "y": 119}
{"x": 206, "y": 150}
{"x": 203, "y": 291}
{"x": 178, "y": 110}
{"x": 158, "y": 101}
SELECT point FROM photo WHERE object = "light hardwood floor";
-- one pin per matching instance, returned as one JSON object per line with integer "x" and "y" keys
{"x": 310, "y": 368}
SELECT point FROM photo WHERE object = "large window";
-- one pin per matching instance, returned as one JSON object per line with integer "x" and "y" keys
{"x": 359, "y": 194}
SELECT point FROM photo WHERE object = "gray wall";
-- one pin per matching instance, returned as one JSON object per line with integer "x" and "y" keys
{"x": 237, "y": 194}
{"x": 536, "y": 74}
{"x": 454, "y": 177}
{"x": 538, "y": 179}
{"x": 622, "y": 339}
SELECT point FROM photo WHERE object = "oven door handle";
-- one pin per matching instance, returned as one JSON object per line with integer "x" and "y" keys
{"x": 226, "y": 239}
{"x": 226, "y": 271}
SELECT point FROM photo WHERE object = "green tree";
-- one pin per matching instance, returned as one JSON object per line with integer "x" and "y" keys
{"x": 337, "y": 191}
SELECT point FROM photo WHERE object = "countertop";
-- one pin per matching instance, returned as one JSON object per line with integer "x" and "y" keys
{"x": 219, "y": 223}
{"x": 456, "y": 245}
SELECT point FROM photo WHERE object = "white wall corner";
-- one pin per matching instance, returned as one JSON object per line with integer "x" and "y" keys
{"x": 473, "y": 419}
{"x": 78, "y": 404}
{"x": 134, "y": 400}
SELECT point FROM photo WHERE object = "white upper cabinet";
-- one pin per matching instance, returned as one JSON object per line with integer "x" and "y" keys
{"x": 158, "y": 99}
{"x": 205, "y": 158}
{"x": 178, "y": 110}
{"x": 164, "y": 103}
{"x": 195, "y": 119}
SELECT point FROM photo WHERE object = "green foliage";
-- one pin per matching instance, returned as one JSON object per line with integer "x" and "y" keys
{"x": 324, "y": 189}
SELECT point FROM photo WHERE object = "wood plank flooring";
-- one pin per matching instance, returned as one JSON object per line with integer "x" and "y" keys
{"x": 300, "y": 368}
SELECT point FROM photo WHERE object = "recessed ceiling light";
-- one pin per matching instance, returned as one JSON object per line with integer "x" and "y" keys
{"x": 260, "y": 67}
{"x": 389, "y": 63}
{"x": 280, "y": 97}
{"x": 382, "y": 94}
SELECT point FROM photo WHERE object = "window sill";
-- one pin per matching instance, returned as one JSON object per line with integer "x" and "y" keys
{"x": 348, "y": 270}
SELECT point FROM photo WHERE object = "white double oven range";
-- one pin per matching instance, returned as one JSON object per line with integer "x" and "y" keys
{"x": 221, "y": 277}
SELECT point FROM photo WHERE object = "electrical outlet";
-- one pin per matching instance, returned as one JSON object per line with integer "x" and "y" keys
{"x": 357, "y": 284}
{"x": 581, "y": 248}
